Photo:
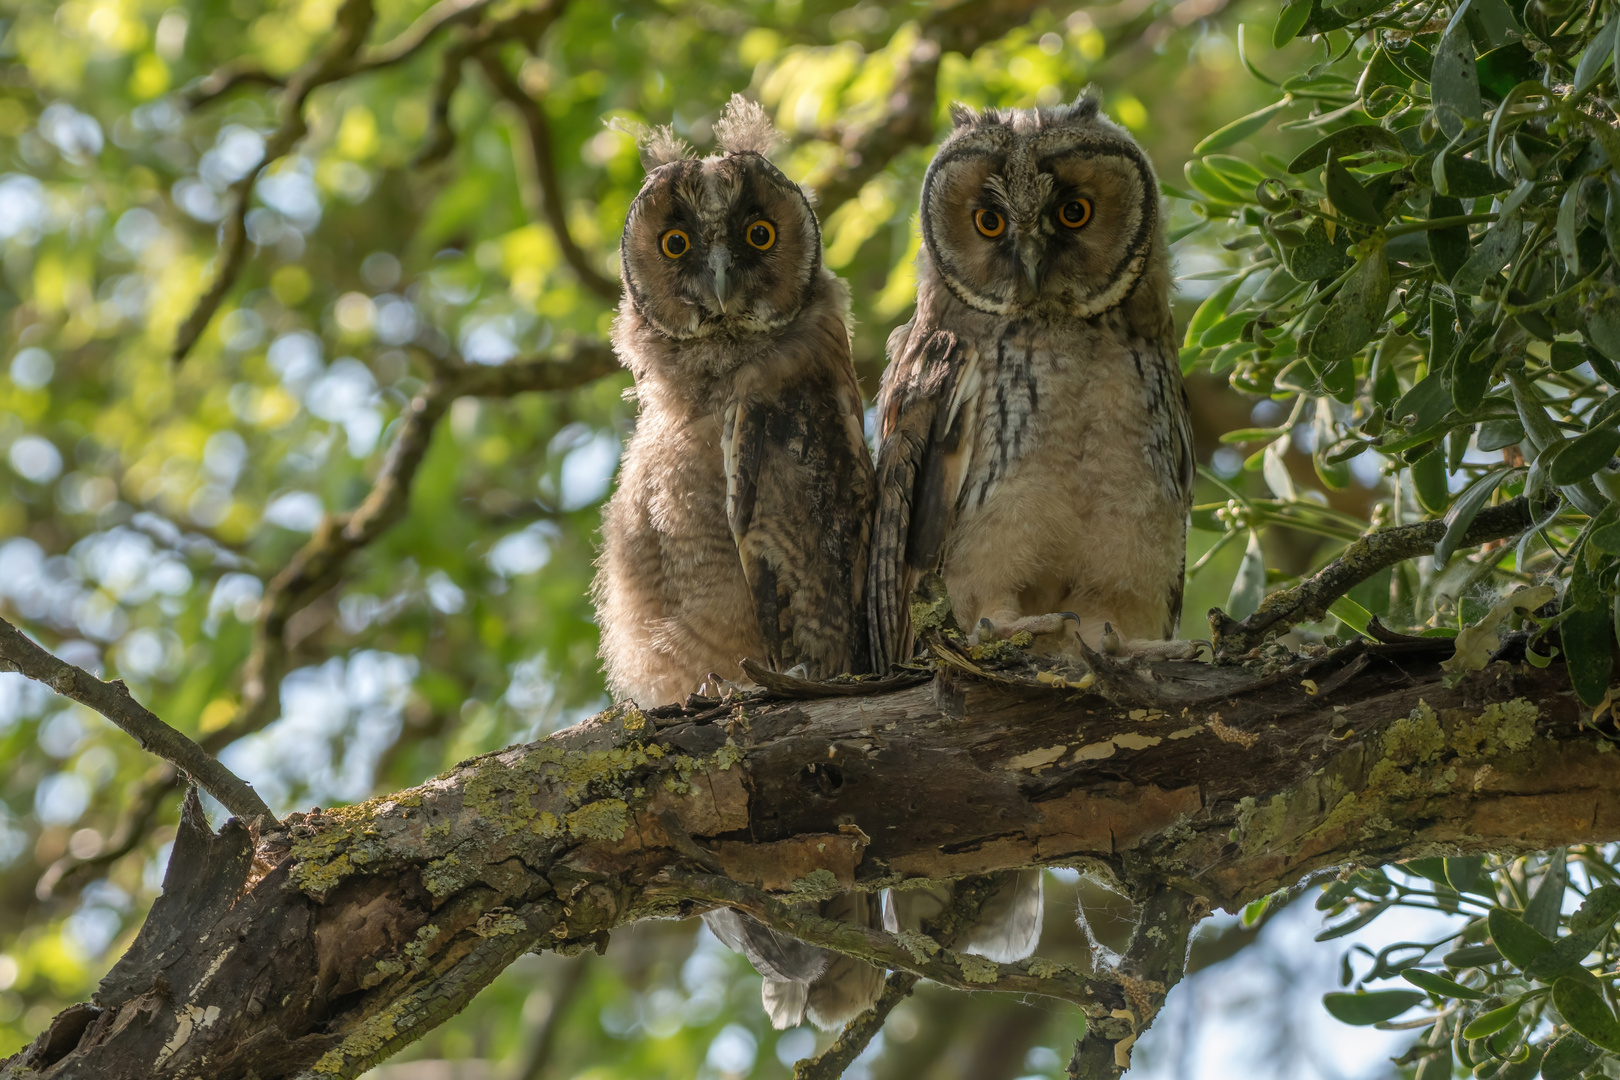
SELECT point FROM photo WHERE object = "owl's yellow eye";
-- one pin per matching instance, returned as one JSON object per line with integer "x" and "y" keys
{"x": 989, "y": 222}
{"x": 675, "y": 243}
{"x": 762, "y": 234}
{"x": 1075, "y": 213}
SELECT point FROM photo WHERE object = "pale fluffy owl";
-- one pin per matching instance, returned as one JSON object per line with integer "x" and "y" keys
{"x": 743, "y": 514}
{"x": 1035, "y": 449}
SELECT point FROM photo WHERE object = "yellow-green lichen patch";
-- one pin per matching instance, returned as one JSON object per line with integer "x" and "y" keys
{"x": 816, "y": 885}
{"x": 442, "y": 877}
{"x": 316, "y": 878}
{"x": 1042, "y": 968}
{"x": 1258, "y": 825}
{"x": 976, "y": 969}
{"x": 1415, "y": 738}
{"x": 1503, "y": 726}
{"x": 604, "y": 819}
{"x": 389, "y": 967}
{"x": 728, "y": 755}
{"x": 919, "y": 945}
{"x": 418, "y": 950}
{"x": 499, "y": 921}
{"x": 1007, "y": 650}
{"x": 546, "y": 825}
{"x": 363, "y": 1044}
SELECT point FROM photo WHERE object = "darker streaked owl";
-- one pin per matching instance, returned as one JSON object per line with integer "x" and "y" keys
{"x": 1035, "y": 441}
{"x": 743, "y": 513}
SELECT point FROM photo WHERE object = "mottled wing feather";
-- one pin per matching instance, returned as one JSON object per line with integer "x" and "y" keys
{"x": 921, "y": 463}
{"x": 1176, "y": 457}
{"x": 798, "y": 500}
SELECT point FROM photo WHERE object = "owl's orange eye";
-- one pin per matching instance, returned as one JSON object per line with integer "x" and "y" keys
{"x": 762, "y": 234}
{"x": 675, "y": 243}
{"x": 989, "y": 222}
{"x": 1075, "y": 213}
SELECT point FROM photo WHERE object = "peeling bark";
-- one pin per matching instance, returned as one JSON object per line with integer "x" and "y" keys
{"x": 326, "y": 944}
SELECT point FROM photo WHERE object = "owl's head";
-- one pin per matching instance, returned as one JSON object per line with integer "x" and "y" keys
{"x": 1052, "y": 210}
{"x": 722, "y": 244}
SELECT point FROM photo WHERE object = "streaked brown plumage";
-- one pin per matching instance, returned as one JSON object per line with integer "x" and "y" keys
{"x": 1036, "y": 450}
{"x": 743, "y": 514}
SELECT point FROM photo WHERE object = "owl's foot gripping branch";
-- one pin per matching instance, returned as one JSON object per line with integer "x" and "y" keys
{"x": 330, "y": 940}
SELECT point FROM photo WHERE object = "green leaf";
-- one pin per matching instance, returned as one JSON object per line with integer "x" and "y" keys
{"x": 1290, "y": 22}
{"x": 1541, "y": 914}
{"x": 1495, "y": 249}
{"x": 1570, "y": 1056}
{"x": 1379, "y": 143}
{"x": 1498, "y": 434}
{"x": 1249, "y": 587}
{"x": 1348, "y": 196}
{"x": 1472, "y": 956}
{"x": 1354, "y": 314}
{"x": 1429, "y": 481}
{"x": 1588, "y": 641}
{"x": 1433, "y": 868}
{"x": 1441, "y": 986}
{"x": 1465, "y": 178}
{"x": 1571, "y": 218}
{"x": 1425, "y": 405}
{"x": 1585, "y": 455}
{"x": 1211, "y": 184}
{"x": 1351, "y": 614}
{"x": 1212, "y": 310}
{"x": 1603, "y": 326}
{"x": 1464, "y": 511}
{"x": 1241, "y": 128}
{"x": 1370, "y": 1008}
{"x": 1596, "y": 57}
{"x": 1492, "y": 1022}
{"x": 1455, "y": 82}
{"x": 1597, "y": 911}
{"x": 1316, "y": 257}
{"x": 1611, "y": 214}
{"x": 1500, "y": 70}
{"x": 1448, "y": 247}
{"x": 1582, "y": 1006}
{"x": 1589, "y": 926}
{"x": 1514, "y": 939}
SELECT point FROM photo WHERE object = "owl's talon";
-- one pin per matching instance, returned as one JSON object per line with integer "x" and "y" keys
{"x": 1111, "y": 643}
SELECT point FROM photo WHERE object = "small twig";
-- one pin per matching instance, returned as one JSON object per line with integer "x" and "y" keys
{"x": 543, "y": 170}
{"x": 966, "y": 904}
{"x": 1153, "y": 963}
{"x": 1309, "y": 600}
{"x": 113, "y": 700}
{"x": 1096, "y": 997}
{"x": 353, "y": 21}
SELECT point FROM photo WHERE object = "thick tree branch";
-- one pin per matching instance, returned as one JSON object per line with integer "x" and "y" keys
{"x": 113, "y": 701}
{"x": 542, "y": 167}
{"x": 346, "y": 933}
{"x": 321, "y": 563}
{"x": 1309, "y": 601}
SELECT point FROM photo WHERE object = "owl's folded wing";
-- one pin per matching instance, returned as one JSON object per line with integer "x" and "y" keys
{"x": 921, "y": 463}
{"x": 798, "y": 501}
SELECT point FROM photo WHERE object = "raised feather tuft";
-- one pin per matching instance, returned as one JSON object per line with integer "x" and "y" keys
{"x": 744, "y": 128}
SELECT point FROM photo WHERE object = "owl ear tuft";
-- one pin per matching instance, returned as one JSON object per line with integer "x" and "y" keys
{"x": 657, "y": 145}
{"x": 1083, "y": 109}
{"x": 963, "y": 115}
{"x": 744, "y": 128}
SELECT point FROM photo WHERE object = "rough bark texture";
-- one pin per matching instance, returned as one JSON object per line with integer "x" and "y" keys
{"x": 323, "y": 946}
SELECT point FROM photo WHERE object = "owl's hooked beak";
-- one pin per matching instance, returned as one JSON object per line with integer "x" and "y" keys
{"x": 719, "y": 264}
{"x": 1029, "y": 255}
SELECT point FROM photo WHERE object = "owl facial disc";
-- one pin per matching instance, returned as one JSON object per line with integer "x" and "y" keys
{"x": 1053, "y": 211}
{"x": 725, "y": 244}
